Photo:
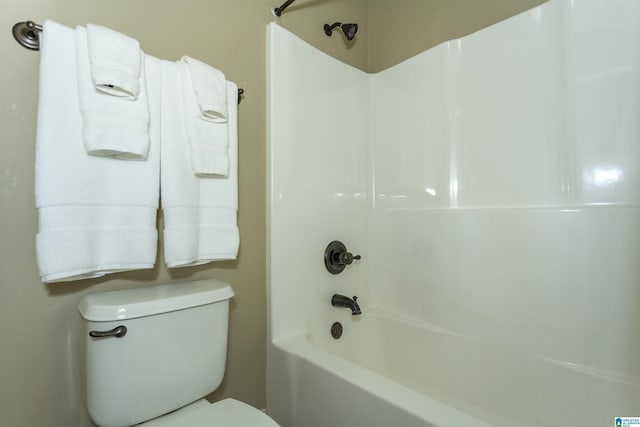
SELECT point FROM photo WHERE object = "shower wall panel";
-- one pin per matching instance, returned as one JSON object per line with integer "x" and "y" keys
{"x": 319, "y": 176}
{"x": 506, "y": 186}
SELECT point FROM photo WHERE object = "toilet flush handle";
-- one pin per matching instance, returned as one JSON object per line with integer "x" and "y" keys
{"x": 117, "y": 332}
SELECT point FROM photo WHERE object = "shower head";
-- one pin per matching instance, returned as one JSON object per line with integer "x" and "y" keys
{"x": 349, "y": 30}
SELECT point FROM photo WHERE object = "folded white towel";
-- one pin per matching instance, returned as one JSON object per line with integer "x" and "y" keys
{"x": 210, "y": 87}
{"x": 208, "y": 141}
{"x": 96, "y": 215}
{"x": 112, "y": 127}
{"x": 200, "y": 213}
{"x": 116, "y": 61}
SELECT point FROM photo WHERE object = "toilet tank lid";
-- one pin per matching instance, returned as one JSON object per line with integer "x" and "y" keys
{"x": 141, "y": 302}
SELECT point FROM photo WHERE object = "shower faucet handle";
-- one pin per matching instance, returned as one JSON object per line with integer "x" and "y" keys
{"x": 337, "y": 257}
{"x": 347, "y": 258}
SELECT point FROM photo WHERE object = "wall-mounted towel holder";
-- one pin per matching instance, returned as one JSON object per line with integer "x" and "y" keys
{"x": 27, "y": 34}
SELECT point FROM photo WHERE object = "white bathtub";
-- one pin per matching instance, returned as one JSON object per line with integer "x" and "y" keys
{"x": 368, "y": 378}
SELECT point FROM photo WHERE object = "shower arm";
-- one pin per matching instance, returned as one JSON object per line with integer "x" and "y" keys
{"x": 278, "y": 10}
{"x": 329, "y": 28}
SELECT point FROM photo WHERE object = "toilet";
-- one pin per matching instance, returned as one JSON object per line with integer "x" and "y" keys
{"x": 153, "y": 353}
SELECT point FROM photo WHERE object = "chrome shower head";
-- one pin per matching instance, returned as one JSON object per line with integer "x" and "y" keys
{"x": 349, "y": 30}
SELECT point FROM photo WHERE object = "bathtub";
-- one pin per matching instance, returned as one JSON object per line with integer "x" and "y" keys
{"x": 366, "y": 378}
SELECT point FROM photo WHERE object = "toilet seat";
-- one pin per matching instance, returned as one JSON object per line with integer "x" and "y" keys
{"x": 225, "y": 413}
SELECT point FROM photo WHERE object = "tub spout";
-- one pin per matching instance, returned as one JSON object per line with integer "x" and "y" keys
{"x": 338, "y": 300}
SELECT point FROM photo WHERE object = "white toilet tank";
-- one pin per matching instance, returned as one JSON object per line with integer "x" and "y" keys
{"x": 172, "y": 353}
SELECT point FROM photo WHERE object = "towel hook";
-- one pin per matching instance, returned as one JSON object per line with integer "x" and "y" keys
{"x": 27, "y": 34}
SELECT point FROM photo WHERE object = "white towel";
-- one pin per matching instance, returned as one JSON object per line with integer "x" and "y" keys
{"x": 208, "y": 141}
{"x": 111, "y": 126}
{"x": 200, "y": 213}
{"x": 116, "y": 61}
{"x": 96, "y": 215}
{"x": 210, "y": 87}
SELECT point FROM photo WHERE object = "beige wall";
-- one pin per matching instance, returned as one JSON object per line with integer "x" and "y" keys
{"x": 399, "y": 29}
{"x": 41, "y": 333}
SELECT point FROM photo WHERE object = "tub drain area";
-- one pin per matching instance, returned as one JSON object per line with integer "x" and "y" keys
{"x": 336, "y": 330}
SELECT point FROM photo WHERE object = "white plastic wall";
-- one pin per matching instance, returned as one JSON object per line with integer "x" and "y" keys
{"x": 507, "y": 185}
{"x": 318, "y": 179}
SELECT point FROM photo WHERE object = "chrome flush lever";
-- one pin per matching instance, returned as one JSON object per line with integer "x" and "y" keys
{"x": 117, "y": 332}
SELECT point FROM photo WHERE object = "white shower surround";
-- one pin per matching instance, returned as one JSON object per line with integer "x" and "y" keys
{"x": 492, "y": 186}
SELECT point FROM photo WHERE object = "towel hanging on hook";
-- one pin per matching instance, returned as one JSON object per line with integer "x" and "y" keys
{"x": 27, "y": 34}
